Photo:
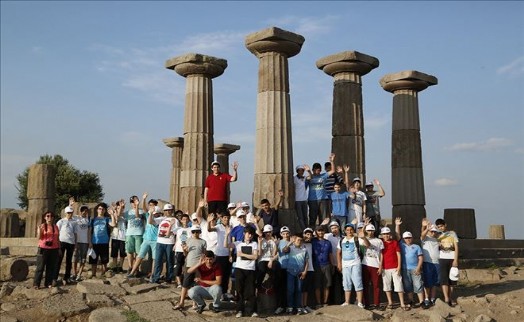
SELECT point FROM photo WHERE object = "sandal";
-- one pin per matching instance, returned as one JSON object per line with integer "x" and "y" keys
{"x": 405, "y": 307}
{"x": 178, "y": 307}
{"x": 389, "y": 307}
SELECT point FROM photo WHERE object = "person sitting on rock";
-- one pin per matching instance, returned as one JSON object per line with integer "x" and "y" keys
{"x": 208, "y": 279}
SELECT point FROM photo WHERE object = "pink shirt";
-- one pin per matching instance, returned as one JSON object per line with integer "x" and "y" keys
{"x": 51, "y": 234}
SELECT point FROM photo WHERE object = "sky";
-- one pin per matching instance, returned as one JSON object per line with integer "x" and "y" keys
{"x": 86, "y": 80}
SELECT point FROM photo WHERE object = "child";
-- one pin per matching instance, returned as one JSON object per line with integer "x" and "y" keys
{"x": 449, "y": 252}
{"x": 430, "y": 267}
{"x": 82, "y": 242}
{"x": 297, "y": 269}
{"x": 67, "y": 228}
{"x": 372, "y": 267}
{"x": 282, "y": 273}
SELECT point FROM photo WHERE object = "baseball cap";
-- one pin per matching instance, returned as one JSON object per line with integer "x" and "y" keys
{"x": 194, "y": 216}
{"x": 244, "y": 204}
{"x": 69, "y": 209}
{"x": 157, "y": 210}
{"x": 299, "y": 167}
{"x": 356, "y": 179}
{"x": 168, "y": 206}
{"x": 321, "y": 228}
{"x": 240, "y": 213}
{"x": 369, "y": 183}
{"x": 385, "y": 230}
{"x": 360, "y": 225}
{"x": 334, "y": 223}
{"x": 215, "y": 162}
{"x": 231, "y": 205}
{"x": 370, "y": 227}
{"x": 267, "y": 229}
{"x": 434, "y": 228}
{"x": 349, "y": 225}
{"x": 195, "y": 228}
{"x": 454, "y": 274}
{"x": 407, "y": 234}
{"x": 308, "y": 230}
{"x": 284, "y": 229}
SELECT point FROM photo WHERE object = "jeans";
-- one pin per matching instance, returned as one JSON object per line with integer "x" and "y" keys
{"x": 69, "y": 249}
{"x": 161, "y": 251}
{"x": 199, "y": 294}
{"x": 352, "y": 277}
{"x": 294, "y": 291}
{"x": 301, "y": 208}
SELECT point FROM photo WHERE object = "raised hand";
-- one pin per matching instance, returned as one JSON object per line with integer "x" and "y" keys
{"x": 398, "y": 221}
{"x": 425, "y": 222}
{"x": 306, "y": 167}
{"x": 332, "y": 157}
{"x": 375, "y": 181}
{"x": 235, "y": 165}
{"x": 346, "y": 167}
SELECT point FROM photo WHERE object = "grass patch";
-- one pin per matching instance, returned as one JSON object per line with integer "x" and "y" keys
{"x": 132, "y": 316}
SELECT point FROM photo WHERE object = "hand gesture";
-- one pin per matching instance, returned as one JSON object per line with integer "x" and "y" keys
{"x": 425, "y": 222}
{"x": 71, "y": 201}
{"x": 375, "y": 181}
{"x": 210, "y": 217}
{"x": 339, "y": 169}
{"x": 260, "y": 239}
{"x": 201, "y": 203}
{"x": 144, "y": 196}
{"x": 235, "y": 165}
{"x": 346, "y": 167}
{"x": 332, "y": 157}
{"x": 361, "y": 234}
{"x": 398, "y": 221}
{"x": 306, "y": 167}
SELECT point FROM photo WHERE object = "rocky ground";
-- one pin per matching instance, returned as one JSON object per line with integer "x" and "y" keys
{"x": 483, "y": 295}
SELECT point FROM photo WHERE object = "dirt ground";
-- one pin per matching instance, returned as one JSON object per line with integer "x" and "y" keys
{"x": 491, "y": 299}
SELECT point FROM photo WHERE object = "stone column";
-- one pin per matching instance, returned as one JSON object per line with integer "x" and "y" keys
{"x": 177, "y": 145}
{"x": 40, "y": 194}
{"x": 496, "y": 232}
{"x": 197, "y": 155}
{"x": 406, "y": 151}
{"x": 223, "y": 150}
{"x": 462, "y": 221}
{"x": 347, "y": 143}
{"x": 274, "y": 149}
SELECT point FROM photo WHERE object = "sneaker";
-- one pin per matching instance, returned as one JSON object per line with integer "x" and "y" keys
{"x": 426, "y": 304}
{"x": 239, "y": 314}
{"x": 254, "y": 315}
{"x": 279, "y": 310}
{"x": 433, "y": 301}
{"x": 361, "y": 305}
{"x": 301, "y": 311}
{"x": 308, "y": 309}
{"x": 78, "y": 278}
{"x": 179, "y": 286}
{"x": 200, "y": 308}
{"x": 344, "y": 304}
{"x": 289, "y": 310}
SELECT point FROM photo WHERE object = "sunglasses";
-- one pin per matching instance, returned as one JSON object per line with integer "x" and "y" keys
{"x": 49, "y": 216}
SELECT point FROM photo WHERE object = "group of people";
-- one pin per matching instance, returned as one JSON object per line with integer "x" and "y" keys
{"x": 225, "y": 252}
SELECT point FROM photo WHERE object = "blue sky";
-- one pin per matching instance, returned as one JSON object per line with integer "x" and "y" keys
{"x": 87, "y": 80}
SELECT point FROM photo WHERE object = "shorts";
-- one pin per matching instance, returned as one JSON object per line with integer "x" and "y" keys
{"x": 411, "y": 281}
{"x": 189, "y": 280}
{"x": 308, "y": 285}
{"x": 430, "y": 273}
{"x": 133, "y": 243}
{"x": 215, "y": 207}
{"x": 118, "y": 247}
{"x": 352, "y": 277}
{"x": 102, "y": 254}
{"x": 389, "y": 275}
{"x": 445, "y": 267}
{"x": 148, "y": 247}
{"x": 323, "y": 277}
{"x": 81, "y": 253}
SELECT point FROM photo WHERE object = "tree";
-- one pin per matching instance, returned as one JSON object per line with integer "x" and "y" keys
{"x": 70, "y": 182}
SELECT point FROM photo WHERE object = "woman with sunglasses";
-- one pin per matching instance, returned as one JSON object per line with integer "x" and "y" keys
{"x": 48, "y": 251}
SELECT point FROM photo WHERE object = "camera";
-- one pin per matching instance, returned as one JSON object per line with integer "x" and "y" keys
{"x": 49, "y": 243}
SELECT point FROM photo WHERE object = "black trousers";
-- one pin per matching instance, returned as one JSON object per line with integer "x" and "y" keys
{"x": 46, "y": 259}
{"x": 69, "y": 249}
{"x": 245, "y": 283}
{"x": 225, "y": 267}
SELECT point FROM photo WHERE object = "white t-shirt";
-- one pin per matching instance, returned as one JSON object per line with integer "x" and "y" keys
{"x": 119, "y": 232}
{"x": 67, "y": 228}
{"x": 82, "y": 227}
{"x": 221, "y": 235}
{"x": 356, "y": 204}
{"x": 247, "y": 264}
{"x": 182, "y": 235}
{"x": 373, "y": 252}
{"x": 165, "y": 234}
{"x": 349, "y": 252}
{"x": 430, "y": 250}
{"x": 300, "y": 189}
{"x": 309, "y": 248}
{"x": 267, "y": 247}
{"x": 210, "y": 237}
{"x": 334, "y": 240}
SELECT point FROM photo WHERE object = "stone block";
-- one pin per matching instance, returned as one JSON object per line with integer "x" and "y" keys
{"x": 462, "y": 221}
{"x": 350, "y": 150}
{"x": 95, "y": 288}
{"x": 193, "y": 63}
{"x": 406, "y": 150}
{"x": 496, "y": 232}
{"x": 65, "y": 305}
{"x": 274, "y": 39}
{"x": 107, "y": 314}
{"x": 408, "y": 187}
{"x": 141, "y": 288}
{"x": 99, "y": 300}
{"x": 9, "y": 224}
{"x": 341, "y": 313}
{"x": 156, "y": 295}
{"x": 409, "y": 79}
{"x": 163, "y": 311}
{"x": 347, "y": 61}
{"x": 481, "y": 275}
{"x": 347, "y": 116}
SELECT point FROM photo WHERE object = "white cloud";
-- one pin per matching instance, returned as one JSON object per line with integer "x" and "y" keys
{"x": 446, "y": 182}
{"x": 305, "y": 26}
{"x": 488, "y": 145}
{"x": 212, "y": 42}
{"x": 161, "y": 86}
{"x": 514, "y": 68}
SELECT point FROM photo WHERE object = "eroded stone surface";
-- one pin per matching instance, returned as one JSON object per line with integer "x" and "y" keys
{"x": 158, "y": 311}
{"x": 95, "y": 288}
{"x": 107, "y": 315}
{"x": 65, "y": 305}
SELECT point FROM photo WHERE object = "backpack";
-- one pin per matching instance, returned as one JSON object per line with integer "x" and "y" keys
{"x": 357, "y": 246}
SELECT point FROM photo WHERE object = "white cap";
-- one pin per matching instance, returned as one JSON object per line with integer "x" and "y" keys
{"x": 168, "y": 206}
{"x": 244, "y": 204}
{"x": 360, "y": 225}
{"x": 407, "y": 234}
{"x": 308, "y": 230}
{"x": 369, "y": 183}
{"x": 370, "y": 227}
{"x": 334, "y": 223}
{"x": 284, "y": 229}
{"x": 69, "y": 209}
{"x": 215, "y": 162}
{"x": 356, "y": 179}
{"x": 194, "y": 216}
{"x": 195, "y": 228}
{"x": 157, "y": 210}
{"x": 299, "y": 167}
{"x": 385, "y": 230}
{"x": 240, "y": 213}
{"x": 231, "y": 205}
{"x": 434, "y": 228}
{"x": 454, "y": 274}
{"x": 267, "y": 229}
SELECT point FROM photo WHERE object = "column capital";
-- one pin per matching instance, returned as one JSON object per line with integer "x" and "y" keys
{"x": 274, "y": 39}
{"x": 347, "y": 62}
{"x": 409, "y": 79}
{"x": 176, "y": 142}
{"x": 190, "y": 64}
{"x": 224, "y": 148}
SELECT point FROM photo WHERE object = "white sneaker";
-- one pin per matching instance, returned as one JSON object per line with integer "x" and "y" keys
{"x": 361, "y": 305}
{"x": 279, "y": 310}
{"x": 308, "y": 309}
{"x": 344, "y": 304}
{"x": 301, "y": 311}
{"x": 289, "y": 310}
{"x": 239, "y": 314}
{"x": 254, "y": 315}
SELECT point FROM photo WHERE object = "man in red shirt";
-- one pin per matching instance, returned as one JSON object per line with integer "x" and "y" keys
{"x": 209, "y": 277}
{"x": 391, "y": 268}
{"x": 216, "y": 194}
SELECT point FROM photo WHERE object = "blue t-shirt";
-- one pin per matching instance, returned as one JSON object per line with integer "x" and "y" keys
{"x": 297, "y": 259}
{"x": 339, "y": 200}
{"x": 238, "y": 232}
{"x": 321, "y": 250}
{"x": 100, "y": 231}
{"x": 151, "y": 231}
{"x": 410, "y": 255}
{"x": 135, "y": 225}
{"x": 282, "y": 257}
{"x": 316, "y": 187}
